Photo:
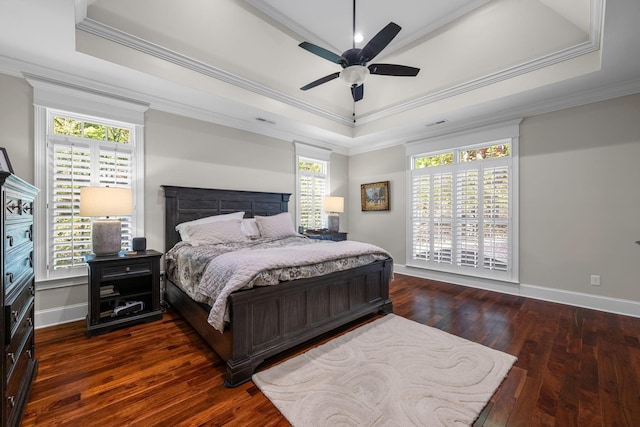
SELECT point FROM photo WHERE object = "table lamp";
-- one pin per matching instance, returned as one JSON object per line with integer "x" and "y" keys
{"x": 106, "y": 234}
{"x": 334, "y": 205}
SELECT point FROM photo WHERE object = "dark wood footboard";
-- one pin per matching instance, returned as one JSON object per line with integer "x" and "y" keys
{"x": 268, "y": 320}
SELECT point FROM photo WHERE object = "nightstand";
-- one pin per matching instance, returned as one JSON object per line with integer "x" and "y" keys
{"x": 335, "y": 236}
{"x": 124, "y": 289}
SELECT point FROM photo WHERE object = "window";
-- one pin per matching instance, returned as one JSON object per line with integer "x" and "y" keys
{"x": 312, "y": 187}
{"x": 84, "y": 151}
{"x": 312, "y": 178}
{"x": 463, "y": 202}
{"x": 81, "y": 138}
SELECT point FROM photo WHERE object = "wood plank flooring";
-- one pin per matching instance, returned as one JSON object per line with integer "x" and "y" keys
{"x": 576, "y": 367}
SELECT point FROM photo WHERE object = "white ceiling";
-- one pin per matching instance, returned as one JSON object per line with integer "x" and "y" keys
{"x": 235, "y": 61}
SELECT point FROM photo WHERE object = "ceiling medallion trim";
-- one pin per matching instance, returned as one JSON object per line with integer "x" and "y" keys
{"x": 107, "y": 32}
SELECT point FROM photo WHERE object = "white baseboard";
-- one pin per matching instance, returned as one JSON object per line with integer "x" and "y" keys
{"x": 70, "y": 313}
{"x": 59, "y": 315}
{"x": 577, "y": 299}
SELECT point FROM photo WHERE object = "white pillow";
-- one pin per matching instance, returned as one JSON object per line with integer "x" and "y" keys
{"x": 182, "y": 227}
{"x": 250, "y": 228}
{"x": 276, "y": 226}
{"x": 216, "y": 232}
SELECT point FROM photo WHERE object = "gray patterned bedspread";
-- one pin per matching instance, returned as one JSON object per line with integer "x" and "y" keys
{"x": 209, "y": 273}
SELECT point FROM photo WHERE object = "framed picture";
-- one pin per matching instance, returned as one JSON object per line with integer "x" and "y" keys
{"x": 5, "y": 164}
{"x": 375, "y": 196}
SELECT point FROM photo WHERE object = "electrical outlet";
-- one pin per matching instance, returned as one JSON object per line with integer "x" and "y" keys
{"x": 595, "y": 280}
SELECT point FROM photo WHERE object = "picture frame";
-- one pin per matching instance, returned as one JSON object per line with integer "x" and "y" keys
{"x": 375, "y": 196}
{"x": 5, "y": 164}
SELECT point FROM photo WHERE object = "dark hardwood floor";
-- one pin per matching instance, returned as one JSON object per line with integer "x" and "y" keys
{"x": 576, "y": 367}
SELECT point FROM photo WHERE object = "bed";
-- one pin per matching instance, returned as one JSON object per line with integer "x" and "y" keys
{"x": 266, "y": 320}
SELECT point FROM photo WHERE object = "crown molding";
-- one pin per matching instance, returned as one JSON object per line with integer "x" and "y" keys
{"x": 107, "y": 32}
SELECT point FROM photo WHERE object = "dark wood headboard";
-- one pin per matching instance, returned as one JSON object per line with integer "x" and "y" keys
{"x": 189, "y": 203}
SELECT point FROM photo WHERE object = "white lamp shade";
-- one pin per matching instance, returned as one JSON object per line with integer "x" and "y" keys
{"x": 105, "y": 201}
{"x": 333, "y": 204}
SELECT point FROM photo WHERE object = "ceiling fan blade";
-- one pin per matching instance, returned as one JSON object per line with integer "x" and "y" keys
{"x": 379, "y": 42}
{"x": 323, "y": 53}
{"x": 393, "y": 70}
{"x": 320, "y": 81}
{"x": 357, "y": 92}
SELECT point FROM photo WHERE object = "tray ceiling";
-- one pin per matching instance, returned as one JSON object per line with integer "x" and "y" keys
{"x": 238, "y": 62}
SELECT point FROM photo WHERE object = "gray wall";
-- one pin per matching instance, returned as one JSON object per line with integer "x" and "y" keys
{"x": 579, "y": 199}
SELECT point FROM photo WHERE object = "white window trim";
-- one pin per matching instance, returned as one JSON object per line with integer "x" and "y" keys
{"x": 500, "y": 131}
{"x": 315, "y": 153}
{"x": 48, "y": 94}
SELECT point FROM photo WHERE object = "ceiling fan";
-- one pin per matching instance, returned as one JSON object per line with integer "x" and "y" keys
{"x": 354, "y": 61}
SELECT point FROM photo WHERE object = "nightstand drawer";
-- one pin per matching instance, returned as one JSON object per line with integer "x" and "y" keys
{"x": 124, "y": 270}
{"x": 16, "y": 310}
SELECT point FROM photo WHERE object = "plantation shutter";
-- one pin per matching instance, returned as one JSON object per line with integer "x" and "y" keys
{"x": 421, "y": 199}
{"x": 312, "y": 189}
{"x": 77, "y": 162}
{"x": 115, "y": 170}
{"x": 442, "y": 224}
{"x": 70, "y": 233}
{"x": 496, "y": 217}
{"x": 467, "y": 225}
{"x": 461, "y": 213}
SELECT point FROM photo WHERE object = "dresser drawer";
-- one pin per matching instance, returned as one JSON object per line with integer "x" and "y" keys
{"x": 17, "y": 346}
{"x": 18, "y": 266}
{"x": 16, "y": 309}
{"x": 18, "y": 208}
{"x": 16, "y": 234}
{"x": 123, "y": 270}
{"x": 19, "y": 383}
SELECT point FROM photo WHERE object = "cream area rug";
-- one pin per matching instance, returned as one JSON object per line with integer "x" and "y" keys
{"x": 390, "y": 372}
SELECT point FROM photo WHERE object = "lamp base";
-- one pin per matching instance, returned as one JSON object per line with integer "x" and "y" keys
{"x": 334, "y": 222}
{"x": 106, "y": 237}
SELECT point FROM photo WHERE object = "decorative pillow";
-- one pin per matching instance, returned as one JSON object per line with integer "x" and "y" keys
{"x": 250, "y": 228}
{"x": 182, "y": 227}
{"x": 216, "y": 232}
{"x": 276, "y": 226}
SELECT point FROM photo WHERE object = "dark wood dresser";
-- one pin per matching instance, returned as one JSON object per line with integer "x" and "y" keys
{"x": 18, "y": 291}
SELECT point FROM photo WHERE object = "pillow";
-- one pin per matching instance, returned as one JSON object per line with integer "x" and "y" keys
{"x": 250, "y": 228}
{"x": 182, "y": 227}
{"x": 276, "y": 226}
{"x": 216, "y": 232}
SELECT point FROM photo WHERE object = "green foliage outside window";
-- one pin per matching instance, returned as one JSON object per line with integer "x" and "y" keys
{"x": 72, "y": 127}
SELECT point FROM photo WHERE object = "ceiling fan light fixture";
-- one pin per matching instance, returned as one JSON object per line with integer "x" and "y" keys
{"x": 354, "y": 75}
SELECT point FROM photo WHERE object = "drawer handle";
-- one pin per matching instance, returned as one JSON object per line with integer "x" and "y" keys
{"x": 128, "y": 269}
{"x": 10, "y": 238}
{"x": 10, "y": 277}
{"x": 32, "y": 290}
{"x": 29, "y": 321}
{"x": 14, "y": 314}
{"x": 30, "y": 232}
{"x": 12, "y": 401}
{"x": 27, "y": 207}
{"x": 11, "y": 357}
{"x": 29, "y": 354}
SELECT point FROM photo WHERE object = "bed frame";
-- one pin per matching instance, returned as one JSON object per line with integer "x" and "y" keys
{"x": 265, "y": 321}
